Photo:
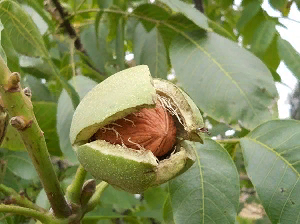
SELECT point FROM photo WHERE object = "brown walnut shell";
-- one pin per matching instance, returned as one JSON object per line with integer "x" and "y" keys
{"x": 151, "y": 129}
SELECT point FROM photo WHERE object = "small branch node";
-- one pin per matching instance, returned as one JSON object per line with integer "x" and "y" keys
{"x": 27, "y": 92}
{"x": 15, "y": 78}
{"x": 20, "y": 123}
{"x": 1, "y": 105}
{"x": 89, "y": 185}
{"x": 87, "y": 192}
{"x": 9, "y": 201}
{"x": 3, "y": 164}
{"x": 13, "y": 84}
{"x": 204, "y": 130}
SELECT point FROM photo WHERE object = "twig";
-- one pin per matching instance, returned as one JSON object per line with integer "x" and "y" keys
{"x": 74, "y": 189}
{"x": 244, "y": 177}
{"x": 20, "y": 109}
{"x": 71, "y": 31}
{"x": 67, "y": 25}
{"x": 199, "y": 5}
{"x": 18, "y": 199}
{"x": 229, "y": 140}
{"x": 29, "y": 212}
{"x": 79, "y": 6}
{"x": 3, "y": 128}
{"x": 72, "y": 59}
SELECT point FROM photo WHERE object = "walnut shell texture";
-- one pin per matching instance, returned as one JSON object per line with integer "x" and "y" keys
{"x": 152, "y": 129}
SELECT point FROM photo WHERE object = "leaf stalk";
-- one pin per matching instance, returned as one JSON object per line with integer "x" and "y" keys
{"x": 44, "y": 218}
{"x": 18, "y": 199}
{"x": 74, "y": 189}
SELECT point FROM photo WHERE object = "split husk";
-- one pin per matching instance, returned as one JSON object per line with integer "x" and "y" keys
{"x": 122, "y": 94}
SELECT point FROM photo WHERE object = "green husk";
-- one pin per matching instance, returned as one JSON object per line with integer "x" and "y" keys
{"x": 121, "y": 94}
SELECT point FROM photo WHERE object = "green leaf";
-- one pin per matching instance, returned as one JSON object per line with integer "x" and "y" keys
{"x": 221, "y": 29}
{"x": 11, "y": 54}
{"x": 112, "y": 21}
{"x": 154, "y": 198}
{"x": 206, "y": 193}
{"x": 96, "y": 48}
{"x": 168, "y": 211}
{"x": 101, "y": 213}
{"x": 225, "y": 81}
{"x": 149, "y": 49}
{"x": 39, "y": 91}
{"x": 11, "y": 180}
{"x": 189, "y": 11}
{"x": 131, "y": 24}
{"x": 120, "y": 54}
{"x": 12, "y": 140}
{"x": 275, "y": 75}
{"x": 271, "y": 55}
{"x": 104, "y": 3}
{"x": 42, "y": 200}
{"x": 225, "y": 3}
{"x": 97, "y": 23}
{"x": 248, "y": 13}
{"x": 37, "y": 19}
{"x": 22, "y": 31}
{"x": 66, "y": 66}
{"x": 272, "y": 160}
{"x": 45, "y": 69}
{"x": 45, "y": 113}
{"x": 174, "y": 26}
{"x": 118, "y": 198}
{"x": 290, "y": 56}
{"x": 91, "y": 73}
{"x": 263, "y": 37}
{"x": 65, "y": 113}
{"x": 277, "y": 4}
{"x": 247, "y": 32}
{"x": 151, "y": 11}
{"x": 219, "y": 129}
{"x": 39, "y": 8}
{"x": 298, "y": 4}
{"x": 21, "y": 165}
{"x": 27, "y": 40}
{"x": 36, "y": 67}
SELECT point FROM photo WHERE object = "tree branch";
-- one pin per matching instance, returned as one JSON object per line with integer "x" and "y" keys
{"x": 199, "y": 5}
{"x": 67, "y": 25}
{"x": 71, "y": 31}
{"x": 20, "y": 108}
{"x": 18, "y": 199}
